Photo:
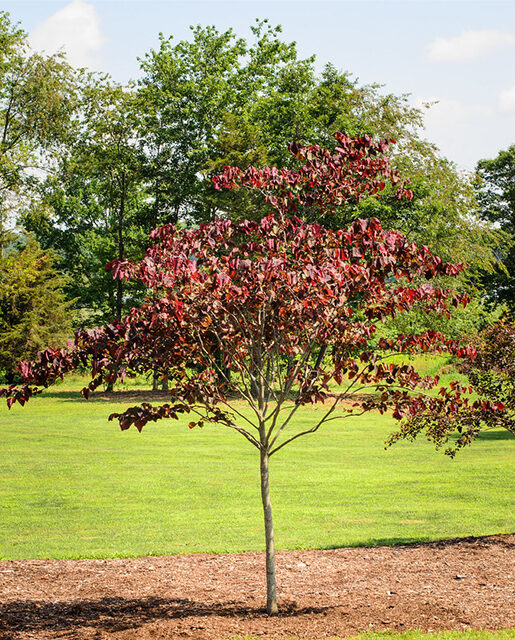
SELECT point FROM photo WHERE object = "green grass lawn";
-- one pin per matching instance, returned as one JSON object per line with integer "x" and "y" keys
{"x": 73, "y": 485}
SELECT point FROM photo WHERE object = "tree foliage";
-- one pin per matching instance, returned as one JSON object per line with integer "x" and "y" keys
{"x": 491, "y": 374}
{"x": 92, "y": 207}
{"x": 219, "y": 100}
{"x": 457, "y": 233}
{"x": 33, "y": 310}
{"x": 496, "y": 196}
{"x": 492, "y": 371}
{"x": 37, "y": 98}
{"x": 216, "y": 100}
{"x": 280, "y": 313}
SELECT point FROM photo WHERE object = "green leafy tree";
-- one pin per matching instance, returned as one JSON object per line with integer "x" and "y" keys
{"x": 92, "y": 208}
{"x": 188, "y": 92}
{"x": 218, "y": 100}
{"x": 37, "y": 100}
{"x": 33, "y": 309}
{"x": 138, "y": 158}
{"x": 496, "y": 196}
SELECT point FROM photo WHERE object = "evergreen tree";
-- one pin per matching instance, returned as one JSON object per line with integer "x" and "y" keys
{"x": 33, "y": 309}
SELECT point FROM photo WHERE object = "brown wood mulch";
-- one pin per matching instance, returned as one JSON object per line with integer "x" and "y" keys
{"x": 454, "y": 584}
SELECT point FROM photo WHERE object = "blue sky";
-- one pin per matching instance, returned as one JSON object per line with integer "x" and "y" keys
{"x": 459, "y": 53}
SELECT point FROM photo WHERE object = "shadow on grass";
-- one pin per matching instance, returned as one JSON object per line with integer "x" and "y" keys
{"x": 129, "y": 395}
{"x": 495, "y": 539}
{"x": 498, "y": 434}
{"x": 118, "y": 614}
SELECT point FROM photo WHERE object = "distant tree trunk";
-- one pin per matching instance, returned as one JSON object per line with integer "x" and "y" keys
{"x": 155, "y": 380}
{"x": 121, "y": 249}
{"x": 271, "y": 588}
{"x": 121, "y": 255}
{"x": 223, "y": 372}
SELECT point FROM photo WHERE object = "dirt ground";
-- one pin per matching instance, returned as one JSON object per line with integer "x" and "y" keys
{"x": 455, "y": 584}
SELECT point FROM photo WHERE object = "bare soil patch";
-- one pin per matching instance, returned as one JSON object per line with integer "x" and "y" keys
{"x": 454, "y": 584}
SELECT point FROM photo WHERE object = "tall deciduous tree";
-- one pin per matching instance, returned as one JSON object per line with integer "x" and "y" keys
{"x": 93, "y": 207}
{"x": 496, "y": 196}
{"x": 37, "y": 99}
{"x": 188, "y": 91}
{"x": 219, "y": 100}
{"x": 279, "y": 313}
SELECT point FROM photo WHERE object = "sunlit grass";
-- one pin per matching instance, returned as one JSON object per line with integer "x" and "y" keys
{"x": 73, "y": 485}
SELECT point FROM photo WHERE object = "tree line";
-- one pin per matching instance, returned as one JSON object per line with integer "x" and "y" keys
{"x": 88, "y": 167}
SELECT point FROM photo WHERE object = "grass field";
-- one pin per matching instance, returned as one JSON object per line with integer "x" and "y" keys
{"x": 73, "y": 485}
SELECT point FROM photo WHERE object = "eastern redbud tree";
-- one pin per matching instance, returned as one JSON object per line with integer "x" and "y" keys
{"x": 278, "y": 313}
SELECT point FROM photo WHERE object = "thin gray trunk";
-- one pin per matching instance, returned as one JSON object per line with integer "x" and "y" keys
{"x": 271, "y": 588}
{"x": 121, "y": 250}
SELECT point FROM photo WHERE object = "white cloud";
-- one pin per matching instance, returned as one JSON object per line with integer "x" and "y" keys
{"x": 469, "y": 45}
{"x": 445, "y": 112}
{"x": 75, "y": 29}
{"x": 507, "y": 99}
{"x": 464, "y": 131}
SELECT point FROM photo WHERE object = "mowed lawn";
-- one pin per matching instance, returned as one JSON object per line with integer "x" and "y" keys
{"x": 73, "y": 485}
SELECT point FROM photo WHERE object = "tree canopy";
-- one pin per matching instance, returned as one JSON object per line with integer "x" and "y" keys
{"x": 33, "y": 309}
{"x": 92, "y": 206}
{"x": 496, "y": 196}
{"x": 37, "y": 98}
{"x": 138, "y": 156}
{"x": 278, "y": 313}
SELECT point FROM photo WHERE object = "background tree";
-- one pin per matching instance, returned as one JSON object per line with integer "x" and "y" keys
{"x": 33, "y": 309}
{"x": 92, "y": 209}
{"x": 491, "y": 374}
{"x": 279, "y": 313}
{"x": 496, "y": 195}
{"x": 37, "y": 99}
{"x": 190, "y": 92}
{"x": 219, "y": 100}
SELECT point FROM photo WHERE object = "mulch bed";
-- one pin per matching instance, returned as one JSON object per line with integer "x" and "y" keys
{"x": 454, "y": 584}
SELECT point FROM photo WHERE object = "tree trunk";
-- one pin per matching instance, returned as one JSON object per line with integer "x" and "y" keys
{"x": 121, "y": 249}
{"x": 271, "y": 588}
